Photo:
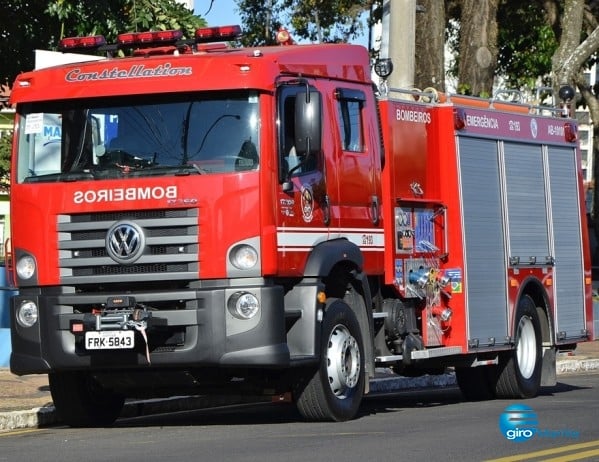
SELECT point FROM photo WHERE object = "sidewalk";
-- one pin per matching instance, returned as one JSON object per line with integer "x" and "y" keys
{"x": 25, "y": 402}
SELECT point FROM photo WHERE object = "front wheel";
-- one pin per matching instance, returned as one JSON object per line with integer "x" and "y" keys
{"x": 334, "y": 392}
{"x": 82, "y": 402}
{"x": 520, "y": 370}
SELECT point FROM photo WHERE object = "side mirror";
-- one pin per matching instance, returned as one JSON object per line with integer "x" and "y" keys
{"x": 308, "y": 125}
{"x": 97, "y": 143}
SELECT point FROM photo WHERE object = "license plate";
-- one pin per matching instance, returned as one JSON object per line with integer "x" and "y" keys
{"x": 109, "y": 340}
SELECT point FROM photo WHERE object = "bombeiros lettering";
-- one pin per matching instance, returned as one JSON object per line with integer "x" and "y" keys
{"x": 407, "y": 115}
{"x": 125, "y": 194}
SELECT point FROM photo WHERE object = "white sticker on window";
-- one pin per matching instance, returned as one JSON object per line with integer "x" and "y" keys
{"x": 34, "y": 123}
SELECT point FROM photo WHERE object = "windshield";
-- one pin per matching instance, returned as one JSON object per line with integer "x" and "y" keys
{"x": 138, "y": 136}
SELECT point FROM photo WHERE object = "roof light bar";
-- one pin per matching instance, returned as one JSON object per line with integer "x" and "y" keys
{"x": 81, "y": 43}
{"x": 148, "y": 38}
{"x": 217, "y": 34}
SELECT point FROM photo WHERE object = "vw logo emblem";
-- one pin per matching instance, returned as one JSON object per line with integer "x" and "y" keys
{"x": 125, "y": 242}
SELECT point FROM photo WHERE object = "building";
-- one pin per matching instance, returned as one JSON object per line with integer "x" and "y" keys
{"x": 585, "y": 128}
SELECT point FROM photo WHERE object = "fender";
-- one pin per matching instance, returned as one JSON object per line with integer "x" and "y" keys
{"x": 321, "y": 262}
{"x": 303, "y": 336}
{"x": 533, "y": 287}
{"x": 326, "y": 255}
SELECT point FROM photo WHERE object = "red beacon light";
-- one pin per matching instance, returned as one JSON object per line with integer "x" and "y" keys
{"x": 217, "y": 34}
{"x": 92, "y": 42}
{"x": 148, "y": 38}
{"x": 459, "y": 118}
{"x": 570, "y": 132}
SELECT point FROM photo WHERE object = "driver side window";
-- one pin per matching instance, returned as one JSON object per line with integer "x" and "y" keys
{"x": 290, "y": 161}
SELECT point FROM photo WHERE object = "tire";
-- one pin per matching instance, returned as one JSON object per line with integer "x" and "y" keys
{"x": 82, "y": 402}
{"x": 475, "y": 383}
{"x": 519, "y": 373}
{"x": 334, "y": 392}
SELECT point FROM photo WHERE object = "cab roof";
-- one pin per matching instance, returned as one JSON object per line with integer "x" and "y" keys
{"x": 216, "y": 68}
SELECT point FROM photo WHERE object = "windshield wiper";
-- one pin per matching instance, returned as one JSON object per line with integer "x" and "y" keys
{"x": 177, "y": 170}
{"x": 60, "y": 177}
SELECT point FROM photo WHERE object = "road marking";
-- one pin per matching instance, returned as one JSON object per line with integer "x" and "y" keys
{"x": 554, "y": 451}
{"x": 575, "y": 456}
{"x": 17, "y": 432}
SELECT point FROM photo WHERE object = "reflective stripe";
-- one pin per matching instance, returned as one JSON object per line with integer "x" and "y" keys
{"x": 303, "y": 239}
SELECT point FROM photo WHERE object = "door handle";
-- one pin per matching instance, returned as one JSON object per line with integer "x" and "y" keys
{"x": 374, "y": 209}
{"x": 326, "y": 210}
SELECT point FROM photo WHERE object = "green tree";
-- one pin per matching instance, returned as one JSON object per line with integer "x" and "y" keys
{"x": 578, "y": 45}
{"x": 27, "y": 25}
{"x": 327, "y": 21}
{"x": 261, "y": 21}
{"x": 430, "y": 51}
{"x": 111, "y": 17}
{"x": 313, "y": 20}
{"x": 5, "y": 153}
{"x": 23, "y": 28}
{"x": 478, "y": 46}
{"x": 525, "y": 58}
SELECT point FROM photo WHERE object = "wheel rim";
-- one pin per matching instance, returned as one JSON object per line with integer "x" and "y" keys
{"x": 343, "y": 361}
{"x": 526, "y": 351}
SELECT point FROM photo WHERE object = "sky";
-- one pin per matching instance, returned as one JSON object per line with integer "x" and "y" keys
{"x": 223, "y": 12}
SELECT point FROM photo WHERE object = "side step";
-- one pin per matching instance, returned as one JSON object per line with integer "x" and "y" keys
{"x": 422, "y": 354}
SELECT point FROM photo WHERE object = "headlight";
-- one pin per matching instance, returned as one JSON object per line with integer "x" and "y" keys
{"x": 27, "y": 313}
{"x": 244, "y": 257}
{"x": 243, "y": 305}
{"x": 26, "y": 267}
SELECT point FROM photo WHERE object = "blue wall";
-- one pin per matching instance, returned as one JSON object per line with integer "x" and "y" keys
{"x": 5, "y": 294}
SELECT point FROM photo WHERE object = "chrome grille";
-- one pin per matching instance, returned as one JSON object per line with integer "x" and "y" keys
{"x": 171, "y": 251}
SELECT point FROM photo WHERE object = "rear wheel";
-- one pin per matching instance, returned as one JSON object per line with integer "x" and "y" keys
{"x": 335, "y": 390}
{"x": 520, "y": 370}
{"x": 82, "y": 402}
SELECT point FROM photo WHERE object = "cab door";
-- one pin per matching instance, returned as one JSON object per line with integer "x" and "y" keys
{"x": 303, "y": 215}
{"x": 356, "y": 200}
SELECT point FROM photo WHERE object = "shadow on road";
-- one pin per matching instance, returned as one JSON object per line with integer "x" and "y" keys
{"x": 285, "y": 413}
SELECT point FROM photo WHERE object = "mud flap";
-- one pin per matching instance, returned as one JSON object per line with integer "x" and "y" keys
{"x": 548, "y": 371}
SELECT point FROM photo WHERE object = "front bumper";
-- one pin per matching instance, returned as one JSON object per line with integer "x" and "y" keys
{"x": 199, "y": 332}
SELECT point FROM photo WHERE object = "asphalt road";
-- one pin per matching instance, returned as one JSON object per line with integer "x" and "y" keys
{"x": 424, "y": 426}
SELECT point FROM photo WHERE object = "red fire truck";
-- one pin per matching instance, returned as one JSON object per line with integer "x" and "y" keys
{"x": 196, "y": 218}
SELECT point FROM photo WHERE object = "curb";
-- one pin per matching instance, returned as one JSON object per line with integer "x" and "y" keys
{"x": 36, "y": 417}
{"x": 570, "y": 366}
{"x": 383, "y": 383}
{"x": 47, "y": 415}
